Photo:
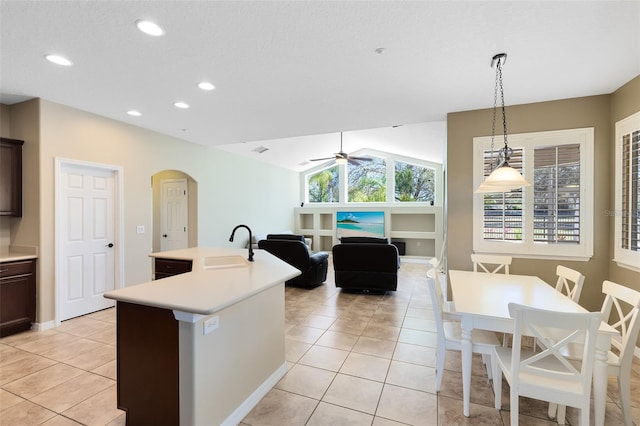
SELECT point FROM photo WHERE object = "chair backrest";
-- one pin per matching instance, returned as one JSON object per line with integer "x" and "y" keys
{"x": 569, "y": 282}
{"x": 626, "y": 320}
{"x": 554, "y": 331}
{"x": 481, "y": 263}
{"x": 437, "y": 300}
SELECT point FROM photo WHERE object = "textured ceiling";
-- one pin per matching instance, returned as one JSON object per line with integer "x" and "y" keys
{"x": 299, "y": 68}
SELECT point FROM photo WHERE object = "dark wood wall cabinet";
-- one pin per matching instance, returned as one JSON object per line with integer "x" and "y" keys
{"x": 17, "y": 296}
{"x": 167, "y": 267}
{"x": 10, "y": 177}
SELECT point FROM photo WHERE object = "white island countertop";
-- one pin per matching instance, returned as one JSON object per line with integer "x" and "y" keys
{"x": 212, "y": 284}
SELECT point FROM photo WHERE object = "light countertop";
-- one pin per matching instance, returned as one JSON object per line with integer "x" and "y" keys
{"x": 205, "y": 291}
{"x": 11, "y": 257}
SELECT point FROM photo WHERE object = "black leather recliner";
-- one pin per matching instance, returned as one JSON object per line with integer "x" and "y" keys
{"x": 292, "y": 249}
{"x": 367, "y": 264}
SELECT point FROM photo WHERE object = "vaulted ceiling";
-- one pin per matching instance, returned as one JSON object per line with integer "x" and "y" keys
{"x": 295, "y": 73}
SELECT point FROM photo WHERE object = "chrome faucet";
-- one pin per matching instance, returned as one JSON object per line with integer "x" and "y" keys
{"x": 250, "y": 245}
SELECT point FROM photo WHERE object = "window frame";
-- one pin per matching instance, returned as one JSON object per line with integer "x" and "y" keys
{"x": 528, "y": 248}
{"x": 390, "y": 166}
{"x": 625, "y": 258}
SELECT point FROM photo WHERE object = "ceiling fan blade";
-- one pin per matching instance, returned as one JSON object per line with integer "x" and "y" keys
{"x": 361, "y": 158}
{"x": 322, "y": 159}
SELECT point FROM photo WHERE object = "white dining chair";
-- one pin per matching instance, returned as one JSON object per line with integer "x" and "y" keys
{"x": 626, "y": 320}
{"x": 490, "y": 263}
{"x": 433, "y": 273}
{"x": 449, "y": 336}
{"x": 569, "y": 282}
{"x": 547, "y": 375}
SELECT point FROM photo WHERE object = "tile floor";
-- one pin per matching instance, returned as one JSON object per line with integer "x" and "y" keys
{"x": 353, "y": 360}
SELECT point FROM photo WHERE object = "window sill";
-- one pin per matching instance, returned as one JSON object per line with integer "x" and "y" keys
{"x": 627, "y": 266}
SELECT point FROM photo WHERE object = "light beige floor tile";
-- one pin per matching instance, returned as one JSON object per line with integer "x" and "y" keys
{"x": 366, "y": 366}
{"x": 324, "y": 357}
{"x": 83, "y": 326}
{"x": 354, "y": 393}
{"x": 61, "y": 421}
{"x": 99, "y": 409}
{"x": 307, "y": 381}
{"x": 24, "y": 366}
{"x": 294, "y": 350}
{"x": 108, "y": 315}
{"x": 337, "y": 340}
{"x": 107, "y": 336}
{"x": 425, "y": 313}
{"x": 26, "y": 337}
{"x": 279, "y": 408}
{"x": 107, "y": 370}
{"x": 450, "y": 413}
{"x": 329, "y": 414}
{"x": 304, "y": 334}
{"x": 380, "y": 421}
{"x": 408, "y": 406}
{"x": 417, "y": 337}
{"x": 25, "y": 413}
{"x": 412, "y": 376}
{"x": 349, "y": 325}
{"x": 40, "y": 381}
{"x": 380, "y": 331}
{"x": 121, "y": 420}
{"x": 12, "y": 354}
{"x": 415, "y": 354}
{"x": 54, "y": 341}
{"x": 77, "y": 347}
{"x": 420, "y": 324}
{"x": 7, "y": 399}
{"x": 72, "y": 392}
{"x": 93, "y": 358}
{"x": 376, "y": 347}
{"x": 329, "y": 311}
{"x": 318, "y": 321}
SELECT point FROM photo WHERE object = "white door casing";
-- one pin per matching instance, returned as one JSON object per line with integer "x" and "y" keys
{"x": 88, "y": 233}
{"x": 173, "y": 214}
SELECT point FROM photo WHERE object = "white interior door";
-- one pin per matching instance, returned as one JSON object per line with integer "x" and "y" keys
{"x": 173, "y": 214}
{"x": 86, "y": 240}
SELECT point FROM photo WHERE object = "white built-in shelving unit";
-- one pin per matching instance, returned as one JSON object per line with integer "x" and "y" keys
{"x": 419, "y": 227}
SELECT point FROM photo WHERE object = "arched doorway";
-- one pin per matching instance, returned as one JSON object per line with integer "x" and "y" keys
{"x": 174, "y": 210}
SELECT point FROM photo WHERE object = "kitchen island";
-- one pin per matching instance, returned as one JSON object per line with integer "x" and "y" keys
{"x": 202, "y": 347}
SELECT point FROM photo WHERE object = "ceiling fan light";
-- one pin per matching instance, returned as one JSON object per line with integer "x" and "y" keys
{"x": 341, "y": 161}
{"x": 502, "y": 179}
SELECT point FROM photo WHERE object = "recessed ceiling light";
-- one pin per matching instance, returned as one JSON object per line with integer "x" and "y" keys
{"x": 182, "y": 105}
{"x": 205, "y": 85}
{"x": 60, "y": 60}
{"x": 149, "y": 27}
{"x": 134, "y": 113}
{"x": 380, "y": 50}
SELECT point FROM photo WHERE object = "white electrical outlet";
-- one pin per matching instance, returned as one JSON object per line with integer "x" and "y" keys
{"x": 211, "y": 324}
{"x": 140, "y": 229}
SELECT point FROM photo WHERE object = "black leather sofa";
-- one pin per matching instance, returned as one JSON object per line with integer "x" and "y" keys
{"x": 366, "y": 264}
{"x": 292, "y": 249}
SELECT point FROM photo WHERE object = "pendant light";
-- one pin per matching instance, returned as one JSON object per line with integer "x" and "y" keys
{"x": 503, "y": 178}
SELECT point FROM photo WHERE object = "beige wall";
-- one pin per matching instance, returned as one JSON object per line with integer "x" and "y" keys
{"x": 231, "y": 189}
{"x": 590, "y": 111}
{"x": 624, "y": 102}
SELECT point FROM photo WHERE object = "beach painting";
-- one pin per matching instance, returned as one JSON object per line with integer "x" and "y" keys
{"x": 360, "y": 224}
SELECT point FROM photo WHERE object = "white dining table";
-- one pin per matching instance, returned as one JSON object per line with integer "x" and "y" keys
{"x": 481, "y": 300}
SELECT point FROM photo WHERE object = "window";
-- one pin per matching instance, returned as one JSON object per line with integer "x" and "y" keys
{"x": 367, "y": 181}
{"x": 388, "y": 178}
{"x": 324, "y": 186}
{"x": 627, "y": 193}
{"x": 414, "y": 183}
{"x": 552, "y": 217}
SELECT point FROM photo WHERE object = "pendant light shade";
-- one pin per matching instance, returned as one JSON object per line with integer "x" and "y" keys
{"x": 503, "y": 178}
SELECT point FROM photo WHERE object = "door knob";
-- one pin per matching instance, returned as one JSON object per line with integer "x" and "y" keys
{"x": 164, "y": 235}
{"x": 109, "y": 245}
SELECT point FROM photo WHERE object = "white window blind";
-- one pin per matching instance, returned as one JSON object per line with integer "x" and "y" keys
{"x": 627, "y": 193}
{"x": 502, "y": 212}
{"x": 556, "y": 194}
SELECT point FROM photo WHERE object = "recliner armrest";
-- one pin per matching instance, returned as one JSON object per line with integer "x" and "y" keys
{"x": 318, "y": 257}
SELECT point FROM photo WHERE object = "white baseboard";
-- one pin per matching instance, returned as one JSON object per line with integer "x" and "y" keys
{"x": 42, "y": 326}
{"x": 245, "y": 408}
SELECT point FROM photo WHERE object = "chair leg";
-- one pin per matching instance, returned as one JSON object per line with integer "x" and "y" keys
{"x": 497, "y": 383}
{"x": 624, "y": 389}
{"x": 440, "y": 354}
{"x": 562, "y": 414}
{"x": 513, "y": 400}
{"x": 553, "y": 407}
{"x": 486, "y": 359}
{"x": 584, "y": 415}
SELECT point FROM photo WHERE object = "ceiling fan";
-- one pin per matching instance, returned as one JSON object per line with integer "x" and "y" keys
{"x": 342, "y": 157}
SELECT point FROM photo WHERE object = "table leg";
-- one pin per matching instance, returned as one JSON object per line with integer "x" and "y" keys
{"x": 599, "y": 386}
{"x": 467, "y": 328}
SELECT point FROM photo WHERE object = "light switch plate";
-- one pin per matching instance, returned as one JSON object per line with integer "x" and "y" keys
{"x": 140, "y": 229}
